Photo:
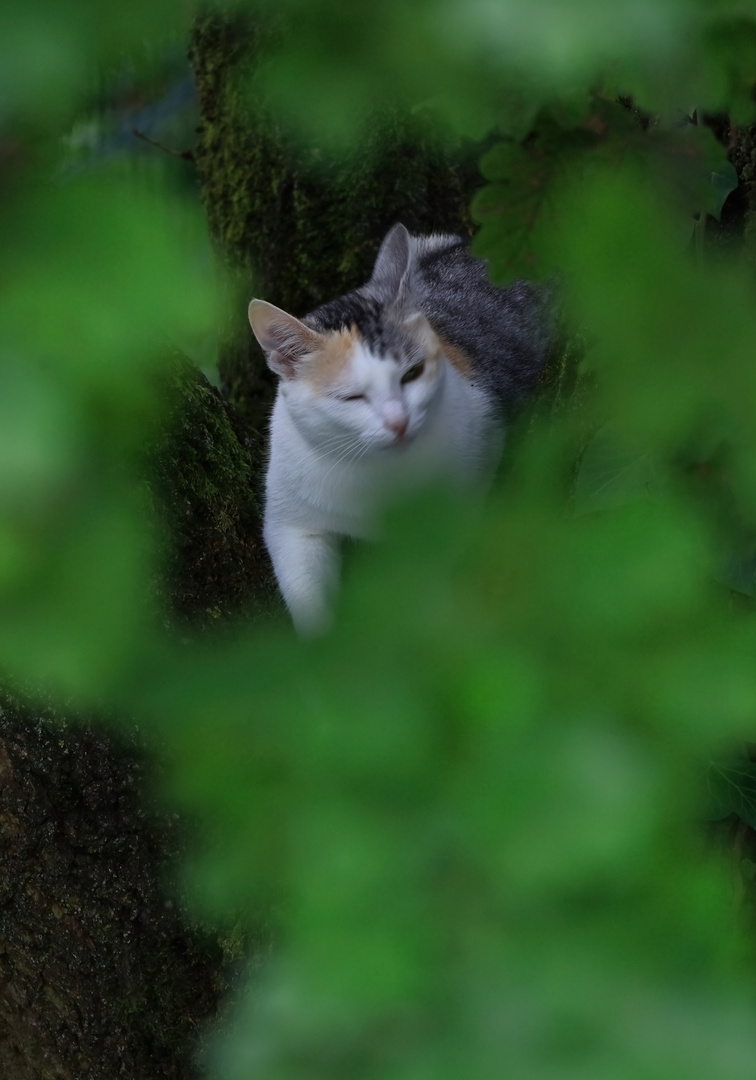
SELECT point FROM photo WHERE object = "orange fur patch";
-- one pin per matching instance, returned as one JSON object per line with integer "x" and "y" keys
{"x": 457, "y": 358}
{"x": 432, "y": 362}
{"x": 323, "y": 369}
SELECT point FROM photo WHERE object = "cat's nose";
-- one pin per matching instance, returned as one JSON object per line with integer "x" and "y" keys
{"x": 398, "y": 426}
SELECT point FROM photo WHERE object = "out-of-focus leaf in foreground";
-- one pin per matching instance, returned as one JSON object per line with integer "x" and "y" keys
{"x": 49, "y": 52}
{"x": 94, "y": 282}
{"x": 472, "y": 805}
{"x": 486, "y": 61}
{"x": 675, "y": 344}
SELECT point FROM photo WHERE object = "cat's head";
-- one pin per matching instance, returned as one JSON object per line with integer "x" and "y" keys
{"x": 366, "y": 368}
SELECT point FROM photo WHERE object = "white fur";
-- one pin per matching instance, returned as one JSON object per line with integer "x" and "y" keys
{"x": 334, "y": 463}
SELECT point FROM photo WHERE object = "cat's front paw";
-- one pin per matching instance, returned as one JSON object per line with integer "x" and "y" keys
{"x": 307, "y": 570}
{"x": 311, "y": 619}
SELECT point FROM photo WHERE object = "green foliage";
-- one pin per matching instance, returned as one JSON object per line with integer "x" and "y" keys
{"x": 522, "y": 206}
{"x": 477, "y": 829}
{"x": 50, "y": 51}
{"x": 485, "y": 62}
{"x": 94, "y": 280}
{"x": 473, "y": 811}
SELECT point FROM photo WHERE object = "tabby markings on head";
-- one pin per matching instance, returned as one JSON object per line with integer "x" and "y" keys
{"x": 365, "y": 317}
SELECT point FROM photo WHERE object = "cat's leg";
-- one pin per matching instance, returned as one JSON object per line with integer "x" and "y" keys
{"x": 307, "y": 570}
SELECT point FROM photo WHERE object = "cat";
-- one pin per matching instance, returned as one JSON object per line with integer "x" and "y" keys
{"x": 408, "y": 379}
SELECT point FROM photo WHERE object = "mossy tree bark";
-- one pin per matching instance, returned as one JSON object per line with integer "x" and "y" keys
{"x": 101, "y": 975}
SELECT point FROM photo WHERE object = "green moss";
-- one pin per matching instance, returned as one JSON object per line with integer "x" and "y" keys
{"x": 205, "y": 472}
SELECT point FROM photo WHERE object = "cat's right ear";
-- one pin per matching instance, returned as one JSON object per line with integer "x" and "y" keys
{"x": 391, "y": 272}
{"x": 283, "y": 339}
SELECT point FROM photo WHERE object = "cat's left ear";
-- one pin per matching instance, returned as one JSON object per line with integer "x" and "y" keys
{"x": 284, "y": 339}
{"x": 391, "y": 273}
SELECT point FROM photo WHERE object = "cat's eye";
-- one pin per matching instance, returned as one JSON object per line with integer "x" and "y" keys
{"x": 354, "y": 397}
{"x": 413, "y": 373}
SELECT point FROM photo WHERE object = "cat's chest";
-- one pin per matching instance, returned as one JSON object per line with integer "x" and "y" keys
{"x": 324, "y": 493}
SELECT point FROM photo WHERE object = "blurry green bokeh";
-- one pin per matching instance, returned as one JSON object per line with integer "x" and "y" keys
{"x": 96, "y": 283}
{"x": 51, "y": 51}
{"x": 494, "y": 61}
{"x": 473, "y": 811}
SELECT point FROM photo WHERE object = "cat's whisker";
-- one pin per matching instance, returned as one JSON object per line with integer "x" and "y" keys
{"x": 343, "y": 436}
{"x": 355, "y": 445}
{"x": 335, "y": 452}
{"x": 344, "y": 443}
{"x": 366, "y": 447}
{"x": 333, "y": 445}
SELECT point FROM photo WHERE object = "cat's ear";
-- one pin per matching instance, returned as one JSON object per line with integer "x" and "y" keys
{"x": 283, "y": 339}
{"x": 391, "y": 273}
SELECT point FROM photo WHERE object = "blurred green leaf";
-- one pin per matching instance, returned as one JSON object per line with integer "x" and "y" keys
{"x": 729, "y": 61}
{"x": 516, "y": 210}
{"x": 673, "y": 341}
{"x": 76, "y": 605}
{"x": 49, "y": 53}
{"x": 610, "y": 475}
{"x": 471, "y": 809}
{"x": 95, "y": 283}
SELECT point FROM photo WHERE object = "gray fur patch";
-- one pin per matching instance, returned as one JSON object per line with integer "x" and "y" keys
{"x": 504, "y": 333}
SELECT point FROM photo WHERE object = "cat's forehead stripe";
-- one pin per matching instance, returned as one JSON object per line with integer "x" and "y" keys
{"x": 362, "y": 315}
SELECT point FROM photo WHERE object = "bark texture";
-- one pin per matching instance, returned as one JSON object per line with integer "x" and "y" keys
{"x": 101, "y": 975}
{"x": 205, "y": 473}
{"x": 741, "y": 215}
